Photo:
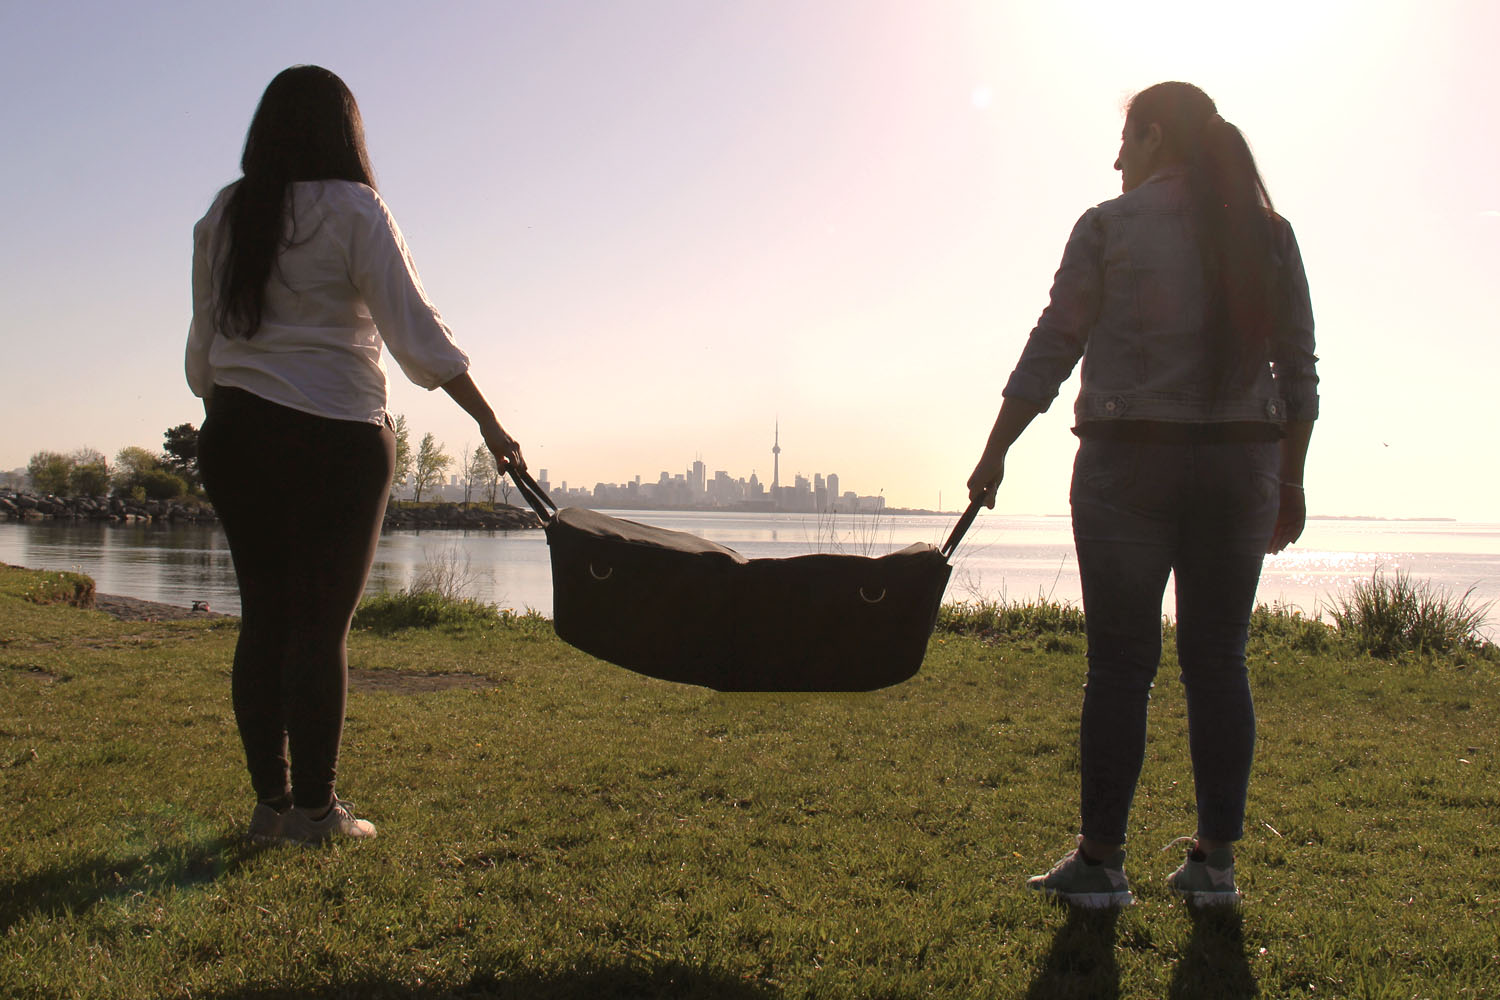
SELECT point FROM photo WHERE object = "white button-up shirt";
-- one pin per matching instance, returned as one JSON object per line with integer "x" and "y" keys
{"x": 342, "y": 287}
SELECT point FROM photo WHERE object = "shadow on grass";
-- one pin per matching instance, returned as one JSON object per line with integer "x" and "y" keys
{"x": 1214, "y": 965}
{"x": 74, "y": 889}
{"x": 1081, "y": 962}
{"x": 584, "y": 981}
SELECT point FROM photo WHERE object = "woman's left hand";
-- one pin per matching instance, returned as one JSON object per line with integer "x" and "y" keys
{"x": 1291, "y": 517}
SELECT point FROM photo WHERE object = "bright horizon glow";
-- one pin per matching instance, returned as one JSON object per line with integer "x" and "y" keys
{"x": 658, "y": 227}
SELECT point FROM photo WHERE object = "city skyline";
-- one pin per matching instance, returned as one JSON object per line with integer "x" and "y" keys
{"x": 693, "y": 487}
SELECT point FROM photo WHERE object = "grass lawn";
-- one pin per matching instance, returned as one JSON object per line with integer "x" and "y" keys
{"x": 552, "y": 826}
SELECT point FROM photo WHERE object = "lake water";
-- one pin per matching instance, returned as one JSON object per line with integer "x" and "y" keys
{"x": 1003, "y": 556}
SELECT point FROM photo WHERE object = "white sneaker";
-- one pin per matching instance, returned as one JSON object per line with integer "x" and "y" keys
{"x": 1208, "y": 879}
{"x": 299, "y": 827}
{"x": 266, "y": 824}
{"x": 1075, "y": 881}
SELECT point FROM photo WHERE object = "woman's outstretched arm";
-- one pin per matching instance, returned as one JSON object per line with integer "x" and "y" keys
{"x": 506, "y": 449}
{"x": 1015, "y": 415}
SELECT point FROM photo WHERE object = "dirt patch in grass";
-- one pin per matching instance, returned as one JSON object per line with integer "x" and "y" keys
{"x": 39, "y": 674}
{"x": 399, "y": 682}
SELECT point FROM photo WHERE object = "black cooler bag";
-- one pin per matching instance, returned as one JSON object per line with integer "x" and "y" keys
{"x": 680, "y": 608}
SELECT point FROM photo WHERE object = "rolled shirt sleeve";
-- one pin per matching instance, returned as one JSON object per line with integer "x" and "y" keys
{"x": 1057, "y": 342}
{"x": 381, "y": 268}
{"x": 200, "y": 371}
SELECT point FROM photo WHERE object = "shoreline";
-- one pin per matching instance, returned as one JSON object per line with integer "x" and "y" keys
{"x": 136, "y": 609}
{"x": 30, "y": 508}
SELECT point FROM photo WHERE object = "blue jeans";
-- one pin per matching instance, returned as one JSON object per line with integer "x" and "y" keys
{"x": 1141, "y": 511}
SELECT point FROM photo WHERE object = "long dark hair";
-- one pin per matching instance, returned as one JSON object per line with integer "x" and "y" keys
{"x": 306, "y": 128}
{"x": 1234, "y": 212}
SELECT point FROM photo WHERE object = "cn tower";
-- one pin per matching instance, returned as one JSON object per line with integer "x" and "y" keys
{"x": 776, "y": 460}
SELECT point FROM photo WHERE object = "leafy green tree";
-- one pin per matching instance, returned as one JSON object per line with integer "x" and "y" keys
{"x": 91, "y": 473}
{"x": 161, "y": 484}
{"x": 431, "y": 463}
{"x": 403, "y": 452}
{"x": 50, "y": 472}
{"x": 132, "y": 463}
{"x": 181, "y": 447}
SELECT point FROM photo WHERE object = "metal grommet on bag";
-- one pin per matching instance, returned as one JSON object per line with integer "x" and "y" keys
{"x": 598, "y": 576}
{"x": 871, "y": 600}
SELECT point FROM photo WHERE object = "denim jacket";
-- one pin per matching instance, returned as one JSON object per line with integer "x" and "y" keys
{"x": 1129, "y": 298}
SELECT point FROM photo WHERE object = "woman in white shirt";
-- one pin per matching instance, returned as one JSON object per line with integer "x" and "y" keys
{"x": 300, "y": 277}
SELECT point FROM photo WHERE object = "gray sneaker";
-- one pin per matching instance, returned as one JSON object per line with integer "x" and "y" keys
{"x": 1206, "y": 880}
{"x": 299, "y": 827}
{"x": 266, "y": 824}
{"x": 1093, "y": 886}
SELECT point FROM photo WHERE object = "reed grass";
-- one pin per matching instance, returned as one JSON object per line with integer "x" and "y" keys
{"x": 993, "y": 620}
{"x": 1390, "y": 615}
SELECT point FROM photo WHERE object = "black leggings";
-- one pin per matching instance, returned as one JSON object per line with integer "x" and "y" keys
{"x": 301, "y": 499}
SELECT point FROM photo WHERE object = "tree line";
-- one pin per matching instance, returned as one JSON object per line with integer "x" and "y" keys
{"x": 136, "y": 473}
{"x": 141, "y": 474}
{"x": 425, "y": 468}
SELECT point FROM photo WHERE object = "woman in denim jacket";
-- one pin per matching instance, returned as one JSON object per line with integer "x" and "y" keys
{"x": 1186, "y": 299}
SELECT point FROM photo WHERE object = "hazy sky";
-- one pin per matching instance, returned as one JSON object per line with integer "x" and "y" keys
{"x": 657, "y": 227}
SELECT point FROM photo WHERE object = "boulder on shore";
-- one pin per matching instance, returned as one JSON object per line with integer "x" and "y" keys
{"x": 15, "y": 505}
{"x": 476, "y": 517}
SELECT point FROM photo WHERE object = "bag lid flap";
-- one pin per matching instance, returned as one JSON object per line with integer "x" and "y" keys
{"x": 599, "y": 525}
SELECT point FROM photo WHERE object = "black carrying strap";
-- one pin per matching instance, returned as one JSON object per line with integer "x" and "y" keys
{"x": 535, "y": 496}
{"x": 951, "y": 545}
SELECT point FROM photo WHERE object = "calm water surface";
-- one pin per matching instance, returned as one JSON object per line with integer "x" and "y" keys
{"x": 1003, "y": 556}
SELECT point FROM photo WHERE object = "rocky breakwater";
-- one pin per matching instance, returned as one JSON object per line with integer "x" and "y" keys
{"x": 18, "y": 506}
{"x": 500, "y": 517}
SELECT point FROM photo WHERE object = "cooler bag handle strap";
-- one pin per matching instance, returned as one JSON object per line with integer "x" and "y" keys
{"x": 535, "y": 496}
{"x": 951, "y": 545}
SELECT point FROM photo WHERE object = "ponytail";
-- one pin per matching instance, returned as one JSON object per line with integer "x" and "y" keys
{"x": 1234, "y": 212}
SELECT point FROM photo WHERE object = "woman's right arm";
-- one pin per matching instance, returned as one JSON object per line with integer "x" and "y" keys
{"x": 1051, "y": 353}
{"x": 1015, "y": 415}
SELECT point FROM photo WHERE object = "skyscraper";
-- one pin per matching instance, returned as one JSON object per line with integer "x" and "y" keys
{"x": 776, "y": 460}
